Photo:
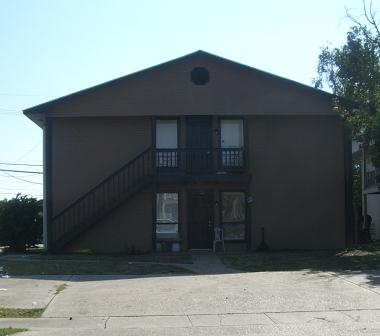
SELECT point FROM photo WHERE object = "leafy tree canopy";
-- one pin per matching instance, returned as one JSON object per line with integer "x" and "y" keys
{"x": 20, "y": 222}
{"x": 352, "y": 71}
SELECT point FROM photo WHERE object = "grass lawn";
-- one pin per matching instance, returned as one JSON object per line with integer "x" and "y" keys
{"x": 362, "y": 257}
{"x": 60, "y": 288}
{"x": 10, "y": 331}
{"x": 21, "y": 313}
{"x": 38, "y": 266}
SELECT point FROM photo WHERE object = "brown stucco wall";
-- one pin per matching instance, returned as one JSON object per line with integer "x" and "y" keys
{"x": 87, "y": 150}
{"x": 128, "y": 229}
{"x": 168, "y": 90}
{"x": 297, "y": 183}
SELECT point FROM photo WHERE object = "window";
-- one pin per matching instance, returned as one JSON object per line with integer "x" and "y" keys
{"x": 166, "y": 141}
{"x": 233, "y": 215}
{"x": 166, "y": 133}
{"x": 232, "y": 142}
{"x": 167, "y": 215}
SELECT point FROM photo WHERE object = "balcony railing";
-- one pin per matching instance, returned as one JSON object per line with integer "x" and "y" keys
{"x": 372, "y": 178}
{"x": 201, "y": 161}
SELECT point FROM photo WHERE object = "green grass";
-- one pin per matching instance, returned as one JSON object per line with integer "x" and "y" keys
{"x": 101, "y": 267}
{"x": 60, "y": 288}
{"x": 79, "y": 263}
{"x": 10, "y": 331}
{"x": 179, "y": 258}
{"x": 28, "y": 313}
{"x": 21, "y": 313}
{"x": 362, "y": 257}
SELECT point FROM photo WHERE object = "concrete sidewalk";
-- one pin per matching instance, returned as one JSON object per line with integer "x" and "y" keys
{"x": 238, "y": 293}
{"x": 223, "y": 303}
{"x": 295, "y": 323}
{"x": 206, "y": 262}
{"x": 29, "y": 291}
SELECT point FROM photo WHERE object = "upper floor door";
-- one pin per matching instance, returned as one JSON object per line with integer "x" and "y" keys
{"x": 199, "y": 158}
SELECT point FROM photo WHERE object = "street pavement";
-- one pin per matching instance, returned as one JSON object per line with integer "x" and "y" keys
{"x": 263, "y": 303}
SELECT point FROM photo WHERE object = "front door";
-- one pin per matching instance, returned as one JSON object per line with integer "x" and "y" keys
{"x": 199, "y": 157}
{"x": 201, "y": 219}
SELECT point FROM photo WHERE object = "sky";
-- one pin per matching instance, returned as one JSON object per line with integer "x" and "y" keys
{"x": 50, "y": 48}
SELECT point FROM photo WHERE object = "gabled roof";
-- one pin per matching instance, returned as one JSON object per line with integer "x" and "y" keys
{"x": 148, "y": 76}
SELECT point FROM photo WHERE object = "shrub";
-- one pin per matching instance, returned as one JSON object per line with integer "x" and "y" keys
{"x": 20, "y": 222}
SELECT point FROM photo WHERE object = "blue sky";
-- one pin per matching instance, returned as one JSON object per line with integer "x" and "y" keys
{"x": 54, "y": 47}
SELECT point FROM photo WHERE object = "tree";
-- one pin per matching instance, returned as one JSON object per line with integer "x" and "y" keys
{"x": 20, "y": 222}
{"x": 352, "y": 71}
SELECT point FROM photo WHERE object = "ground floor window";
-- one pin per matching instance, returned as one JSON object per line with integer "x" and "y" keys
{"x": 233, "y": 215}
{"x": 166, "y": 216}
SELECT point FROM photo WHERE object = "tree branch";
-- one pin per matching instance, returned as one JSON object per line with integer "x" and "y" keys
{"x": 370, "y": 16}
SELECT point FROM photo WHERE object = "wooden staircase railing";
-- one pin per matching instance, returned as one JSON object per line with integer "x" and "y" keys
{"x": 102, "y": 199}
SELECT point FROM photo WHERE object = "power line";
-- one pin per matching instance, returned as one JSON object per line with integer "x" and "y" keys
{"x": 20, "y": 171}
{"x": 5, "y": 178}
{"x": 28, "y": 152}
{"x": 20, "y": 175}
{"x": 15, "y": 193}
{"x": 21, "y": 164}
{"x": 29, "y": 175}
{"x": 17, "y": 178}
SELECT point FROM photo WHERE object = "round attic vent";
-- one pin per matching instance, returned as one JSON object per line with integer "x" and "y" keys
{"x": 200, "y": 76}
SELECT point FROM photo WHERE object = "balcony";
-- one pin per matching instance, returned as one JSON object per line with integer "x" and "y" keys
{"x": 201, "y": 164}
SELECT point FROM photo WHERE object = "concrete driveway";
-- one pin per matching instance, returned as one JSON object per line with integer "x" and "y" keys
{"x": 267, "y": 303}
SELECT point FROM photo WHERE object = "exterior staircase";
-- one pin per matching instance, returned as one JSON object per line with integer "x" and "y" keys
{"x": 169, "y": 164}
{"x": 100, "y": 201}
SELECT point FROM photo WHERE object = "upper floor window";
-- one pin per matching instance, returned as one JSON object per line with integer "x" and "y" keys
{"x": 166, "y": 143}
{"x": 232, "y": 142}
{"x": 231, "y": 133}
{"x": 166, "y": 133}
